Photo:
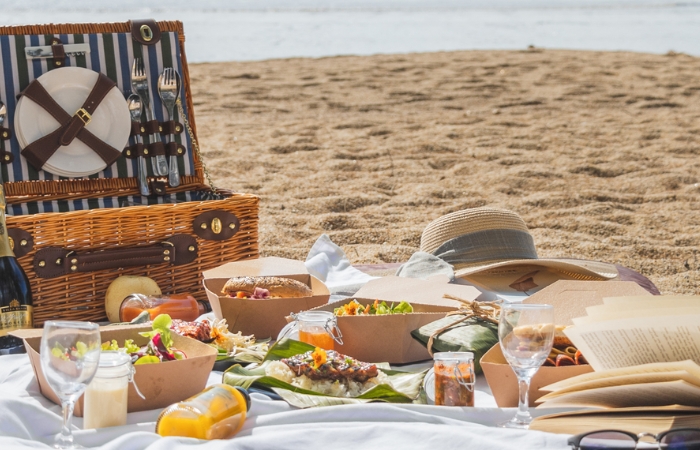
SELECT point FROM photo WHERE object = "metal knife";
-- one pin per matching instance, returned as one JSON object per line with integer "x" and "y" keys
{"x": 3, "y": 117}
{"x": 134, "y": 103}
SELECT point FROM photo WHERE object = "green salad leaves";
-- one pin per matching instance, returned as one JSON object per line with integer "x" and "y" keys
{"x": 355, "y": 308}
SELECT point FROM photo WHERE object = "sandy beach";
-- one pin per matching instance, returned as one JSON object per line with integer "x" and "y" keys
{"x": 597, "y": 151}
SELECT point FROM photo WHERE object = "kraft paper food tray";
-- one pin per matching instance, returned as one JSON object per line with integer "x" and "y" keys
{"x": 162, "y": 384}
{"x": 263, "y": 318}
{"x": 385, "y": 338}
{"x": 570, "y": 299}
{"x": 414, "y": 290}
{"x": 504, "y": 383}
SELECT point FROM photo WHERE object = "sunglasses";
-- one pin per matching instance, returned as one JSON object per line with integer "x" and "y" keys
{"x": 674, "y": 439}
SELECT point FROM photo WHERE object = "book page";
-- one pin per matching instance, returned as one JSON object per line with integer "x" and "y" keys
{"x": 602, "y": 313}
{"x": 637, "y": 420}
{"x": 624, "y": 380}
{"x": 651, "y": 369}
{"x": 631, "y": 395}
{"x": 629, "y": 342}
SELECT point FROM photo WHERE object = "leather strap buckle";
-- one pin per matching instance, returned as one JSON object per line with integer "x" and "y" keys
{"x": 83, "y": 115}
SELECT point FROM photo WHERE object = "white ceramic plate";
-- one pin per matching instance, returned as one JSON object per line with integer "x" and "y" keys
{"x": 69, "y": 87}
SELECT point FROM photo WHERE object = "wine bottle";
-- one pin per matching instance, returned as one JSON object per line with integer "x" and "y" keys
{"x": 15, "y": 292}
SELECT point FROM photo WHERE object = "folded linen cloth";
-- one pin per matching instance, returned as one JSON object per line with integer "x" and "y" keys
{"x": 425, "y": 265}
{"x": 328, "y": 262}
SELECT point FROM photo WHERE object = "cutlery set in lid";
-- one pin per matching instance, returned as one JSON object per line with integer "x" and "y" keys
{"x": 71, "y": 119}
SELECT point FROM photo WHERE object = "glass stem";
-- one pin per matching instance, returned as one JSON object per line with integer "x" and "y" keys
{"x": 65, "y": 438}
{"x": 523, "y": 414}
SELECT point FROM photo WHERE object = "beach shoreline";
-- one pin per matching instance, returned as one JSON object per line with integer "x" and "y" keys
{"x": 595, "y": 150}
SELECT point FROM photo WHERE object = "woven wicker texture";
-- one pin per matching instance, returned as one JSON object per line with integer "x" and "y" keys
{"x": 80, "y": 296}
{"x": 467, "y": 221}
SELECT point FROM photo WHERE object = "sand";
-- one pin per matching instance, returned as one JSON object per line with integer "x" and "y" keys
{"x": 597, "y": 151}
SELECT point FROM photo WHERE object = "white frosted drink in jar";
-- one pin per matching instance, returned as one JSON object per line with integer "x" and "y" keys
{"x": 106, "y": 397}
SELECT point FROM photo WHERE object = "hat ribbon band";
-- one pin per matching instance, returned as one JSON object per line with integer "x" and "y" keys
{"x": 487, "y": 246}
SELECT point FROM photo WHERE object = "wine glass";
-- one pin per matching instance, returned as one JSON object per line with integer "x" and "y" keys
{"x": 70, "y": 354}
{"x": 525, "y": 332}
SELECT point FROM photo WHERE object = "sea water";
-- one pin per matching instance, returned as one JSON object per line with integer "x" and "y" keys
{"x": 239, "y": 30}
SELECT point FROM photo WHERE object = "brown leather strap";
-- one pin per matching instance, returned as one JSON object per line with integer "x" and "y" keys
{"x": 171, "y": 127}
{"x": 39, "y": 151}
{"x": 58, "y": 52}
{"x": 145, "y": 32}
{"x": 174, "y": 149}
{"x": 134, "y": 151}
{"x": 21, "y": 241}
{"x": 159, "y": 187}
{"x": 152, "y": 127}
{"x": 5, "y": 133}
{"x": 52, "y": 262}
{"x": 216, "y": 225}
{"x": 83, "y": 116}
{"x": 6, "y": 157}
{"x": 137, "y": 128}
{"x": 156, "y": 148}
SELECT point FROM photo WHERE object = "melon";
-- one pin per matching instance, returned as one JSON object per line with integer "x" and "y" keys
{"x": 123, "y": 287}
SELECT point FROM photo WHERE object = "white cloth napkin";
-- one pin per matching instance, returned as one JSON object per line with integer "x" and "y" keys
{"x": 29, "y": 421}
{"x": 328, "y": 262}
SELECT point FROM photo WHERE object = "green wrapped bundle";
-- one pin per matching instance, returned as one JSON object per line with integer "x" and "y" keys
{"x": 474, "y": 328}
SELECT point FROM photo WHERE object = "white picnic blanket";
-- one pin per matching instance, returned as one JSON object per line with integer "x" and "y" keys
{"x": 29, "y": 421}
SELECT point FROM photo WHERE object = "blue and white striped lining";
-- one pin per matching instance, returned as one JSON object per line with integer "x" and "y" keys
{"x": 111, "y": 54}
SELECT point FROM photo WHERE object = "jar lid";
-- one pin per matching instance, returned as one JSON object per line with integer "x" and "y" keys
{"x": 453, "y": 356}
{"x": 113, "y": 358}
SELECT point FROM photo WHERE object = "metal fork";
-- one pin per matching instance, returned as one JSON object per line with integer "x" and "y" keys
{"x": 139, "y": 83}
{"x": 169, "y": 90}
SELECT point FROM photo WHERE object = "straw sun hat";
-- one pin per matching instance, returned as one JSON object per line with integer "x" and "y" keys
{"x": 478, "y": 240}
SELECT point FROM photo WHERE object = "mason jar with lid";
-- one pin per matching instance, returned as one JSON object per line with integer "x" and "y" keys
{"x": 106, "y": 397}
{"x": 318, "y": 328}
{"x": 454, "y": 377}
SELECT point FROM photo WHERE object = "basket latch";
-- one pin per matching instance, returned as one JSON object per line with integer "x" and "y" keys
{"x": 51, "y": 262}
{"x": 216, "y": 225}
{"x": 21, "y": 241}
{"x": 145, "y": 32}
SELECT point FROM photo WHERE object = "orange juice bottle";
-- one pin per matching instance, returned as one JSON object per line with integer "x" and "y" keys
{"x": 177, "y": 306}
{"x": 218, "y": 412}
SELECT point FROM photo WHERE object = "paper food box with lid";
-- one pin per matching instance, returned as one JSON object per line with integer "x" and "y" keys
{"x": 570, "y": 299}
{"x": 161, "y": 384}
{"x": 262, "y": 317}
{"x": 101, "y": 167}
{"x": 387, "y": 338}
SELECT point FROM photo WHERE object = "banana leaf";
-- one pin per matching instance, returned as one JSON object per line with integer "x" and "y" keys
{"x": 473, "y": 335}
{"x": 406, "y": 385}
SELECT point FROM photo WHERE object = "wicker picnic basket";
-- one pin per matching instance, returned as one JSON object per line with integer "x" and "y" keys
{"x": 74, "y": 236}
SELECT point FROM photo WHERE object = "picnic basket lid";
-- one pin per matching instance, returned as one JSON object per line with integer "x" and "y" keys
{"x": 112, "y": 50}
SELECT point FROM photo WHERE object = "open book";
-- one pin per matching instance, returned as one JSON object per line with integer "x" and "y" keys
{"x": 646, "y": 398}
{"x": 629, "y": 331}
{"x": 635, "y": 420}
